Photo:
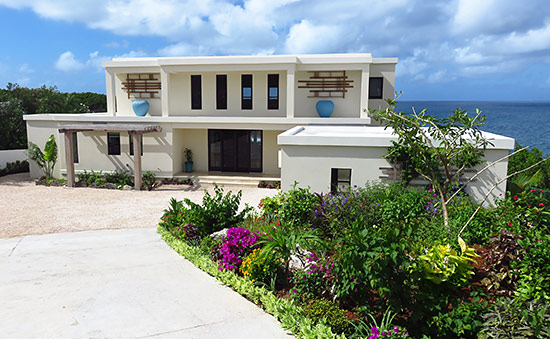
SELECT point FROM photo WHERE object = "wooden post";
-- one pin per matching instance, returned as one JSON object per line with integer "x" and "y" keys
{"x": 137, "y": 160}
{"x": 69, "y": 157}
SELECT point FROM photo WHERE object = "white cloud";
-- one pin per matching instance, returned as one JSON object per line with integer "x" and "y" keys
{"x": 304, "y": 37}
{"x": 435, "y": 41}
{"x": 25, "y": 69}
{"x": 68, "y": 63}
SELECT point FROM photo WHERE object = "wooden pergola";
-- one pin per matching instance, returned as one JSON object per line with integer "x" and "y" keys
{"x": 136, "y": 130}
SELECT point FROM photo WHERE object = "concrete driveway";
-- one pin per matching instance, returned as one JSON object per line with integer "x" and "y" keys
{"x": 116, "y": 284}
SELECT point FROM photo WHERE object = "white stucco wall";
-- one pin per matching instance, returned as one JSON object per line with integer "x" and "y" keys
{"x": 124, "y": 105}
{"x": 92, "y": 150}
{"x": 180, "y": 95}
{"x": 311, "y": 166}
{"x": 11, "y": 155}
{"x": 387, "y": 71}
{"x": 348, "y": 107}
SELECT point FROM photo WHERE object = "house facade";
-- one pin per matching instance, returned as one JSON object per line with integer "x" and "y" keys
{"x": 228, "y": 110}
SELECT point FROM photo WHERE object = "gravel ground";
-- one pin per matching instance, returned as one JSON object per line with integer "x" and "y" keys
{"x": 26, "y": 208}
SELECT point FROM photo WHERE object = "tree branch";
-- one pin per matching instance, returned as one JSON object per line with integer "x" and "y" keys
{"x": 483, "y": 170}
{"x": 491, "y": 190}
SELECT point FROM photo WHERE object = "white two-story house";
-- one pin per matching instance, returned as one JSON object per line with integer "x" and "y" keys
{"x": 228, "y": 110}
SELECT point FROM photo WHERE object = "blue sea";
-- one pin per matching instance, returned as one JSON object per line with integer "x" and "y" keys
{"x": 527, "y": 122}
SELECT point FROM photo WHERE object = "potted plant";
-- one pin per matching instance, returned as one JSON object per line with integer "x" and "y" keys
{"x": 188, "y": 160}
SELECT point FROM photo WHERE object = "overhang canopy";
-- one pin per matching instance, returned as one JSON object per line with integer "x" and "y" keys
{"x": 132, "y": 128}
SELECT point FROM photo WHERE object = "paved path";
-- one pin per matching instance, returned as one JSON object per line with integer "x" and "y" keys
{"x": 116, "y": 284}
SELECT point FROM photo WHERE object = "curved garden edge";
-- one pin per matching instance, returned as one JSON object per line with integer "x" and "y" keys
{"x": 288, "y": 314}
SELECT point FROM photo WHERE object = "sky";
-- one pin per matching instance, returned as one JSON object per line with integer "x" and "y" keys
{"x": 448, "y": 50}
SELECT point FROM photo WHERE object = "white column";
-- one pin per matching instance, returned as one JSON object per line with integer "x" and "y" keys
{"x": 111, "y": 92}
{"x": 364, "y": 92}
{"x": 137, "y": 160}
{"x": 69, "y": 157}
{"x": 164, "y": 96}
{"x": 290, "y": 84}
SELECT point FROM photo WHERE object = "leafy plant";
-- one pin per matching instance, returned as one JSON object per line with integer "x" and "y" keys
{"x": 188, "y": 155}
{"x": 517, "y": 319}
{"x": 191, "y": 234}
{"x": 149, "y": 180}
{"x": 439, "y": 149}
{"x": 326, "y": 312}
{"x": 501, "y": 262}
{"x": 286, "y": 242}
{"x": 315, "y": 281}
{"x": 441, "y": 263}
{"x": 45, "y": 160}
{"x": 465, "y": 320}
{"x": 217, "y": 212}
{"x": 15, "y": 167}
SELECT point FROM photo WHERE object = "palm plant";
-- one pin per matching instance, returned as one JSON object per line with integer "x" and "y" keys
{"x": 46, "y": 160}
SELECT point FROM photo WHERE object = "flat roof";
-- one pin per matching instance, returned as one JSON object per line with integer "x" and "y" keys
{"x": 361, "y": 136}
{"x": 106, "y": 127}
{"x": 342, "y": 58}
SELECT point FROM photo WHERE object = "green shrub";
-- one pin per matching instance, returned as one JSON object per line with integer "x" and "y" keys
{"x": 149, "y": 179}
{"x": 216, "y": 212}
{"x": 464, "y": 320}
{"x": 45, "y": 160}
{"x": 313, "y": 282}
{"x": 517, "y": 319}
{"x": 292, "y": 207}
{"x": 328, "y": 313}
{"x": 15, "y": 167}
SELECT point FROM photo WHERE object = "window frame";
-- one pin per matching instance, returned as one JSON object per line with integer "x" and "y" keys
{"x": 221, "y": 91}
{"x": 247, "y": 104}
{"x": 381, "y": 79}
{"x": 75, "y": 148}
{"x": 273, "y": 82}
{"x": 335, "y": 181}
{"x": 113, "y": 147}
{"x": 196, "y": 92}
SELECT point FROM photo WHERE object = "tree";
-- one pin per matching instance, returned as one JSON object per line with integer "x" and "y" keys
{"x": 46, "y": 160}
{"x": 438, "y": 149}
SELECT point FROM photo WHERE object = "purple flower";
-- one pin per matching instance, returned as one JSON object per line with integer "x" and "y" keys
{"x": 396, "y": 329}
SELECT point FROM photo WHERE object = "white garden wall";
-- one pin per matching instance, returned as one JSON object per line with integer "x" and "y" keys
{"x": 11, "y": 155}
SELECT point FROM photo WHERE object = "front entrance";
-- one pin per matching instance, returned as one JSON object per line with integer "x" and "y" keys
{"x": 234, "y": 150}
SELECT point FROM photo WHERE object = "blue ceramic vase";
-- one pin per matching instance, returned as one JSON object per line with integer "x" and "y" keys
{"x": 324, "y": 108}
{"x": 141, "y": 107}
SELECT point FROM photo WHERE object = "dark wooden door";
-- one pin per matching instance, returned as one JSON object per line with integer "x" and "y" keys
{"x": 235, "y": 150}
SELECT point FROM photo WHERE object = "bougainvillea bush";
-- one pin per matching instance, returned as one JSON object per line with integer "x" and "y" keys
{"x": 361, "y": 252}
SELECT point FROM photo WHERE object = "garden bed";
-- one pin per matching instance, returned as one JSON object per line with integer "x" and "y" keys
{"x": 366, "y": 261}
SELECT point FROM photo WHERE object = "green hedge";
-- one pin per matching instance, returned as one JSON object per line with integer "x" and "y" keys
{"x": 290, "y": 316}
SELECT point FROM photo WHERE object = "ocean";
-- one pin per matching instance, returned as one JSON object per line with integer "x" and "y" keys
{"x": 527, "y": 122}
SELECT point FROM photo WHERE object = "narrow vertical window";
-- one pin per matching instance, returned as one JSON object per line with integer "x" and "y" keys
{"x": 113, "y": 143}
{"x": 196, "y": 96}
{"x": 75, "y": 148}
{"x": 221, "y": 91}
{"x": 246, "y": 84}
{"x": 132, "y": 143}
{"x": 376, "y": 88}
{"x": 273, "y": 91}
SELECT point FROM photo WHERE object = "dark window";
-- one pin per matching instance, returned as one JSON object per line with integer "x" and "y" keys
{"x": 273, "y": 91}
{"x": 246, "y": 84}
{"x": 340, "y": 178}
{"x": 75, "y": 148}
{"x": 132, "y": 143}
{"x": 196, "y": 100}
{"x": 375, "y": 88}
{"x": 113, "y": 143}
{"x": 221, "y": 91}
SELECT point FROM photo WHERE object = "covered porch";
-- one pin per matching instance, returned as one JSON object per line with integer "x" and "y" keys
{"x": 135, "y": 130}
